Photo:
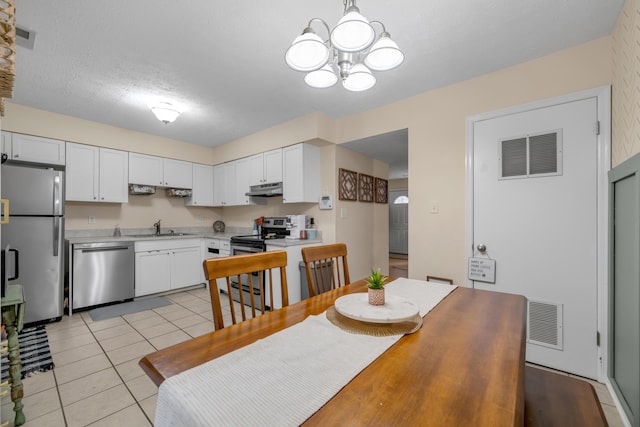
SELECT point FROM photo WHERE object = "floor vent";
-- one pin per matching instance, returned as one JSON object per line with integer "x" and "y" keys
{"x": 544, "y": 324}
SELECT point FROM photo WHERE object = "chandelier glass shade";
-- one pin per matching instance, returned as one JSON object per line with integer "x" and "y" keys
{"x": 321, "y": 78}
{"x": 349, "y": 53}
{"x": 165, "y": 112}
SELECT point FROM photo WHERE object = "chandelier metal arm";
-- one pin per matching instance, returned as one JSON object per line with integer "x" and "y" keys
{"x": 308, "y": 29}
{"x": 384, "y": 30}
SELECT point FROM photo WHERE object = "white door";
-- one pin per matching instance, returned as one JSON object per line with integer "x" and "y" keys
{"x": 398, "y": 222}
{"x": 535, "y": 188}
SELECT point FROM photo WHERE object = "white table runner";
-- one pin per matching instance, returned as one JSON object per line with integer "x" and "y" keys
{"x": 284, "y": 378}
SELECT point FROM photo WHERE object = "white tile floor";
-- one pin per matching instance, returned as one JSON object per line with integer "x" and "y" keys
{"x": 97, "y": 380}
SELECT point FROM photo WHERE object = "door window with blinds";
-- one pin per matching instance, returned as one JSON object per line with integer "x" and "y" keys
{"x": 530, "y": 156}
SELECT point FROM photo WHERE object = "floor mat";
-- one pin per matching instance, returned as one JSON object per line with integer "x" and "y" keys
{"x": 34, "y": 352}
{"x": 104, "y": 313}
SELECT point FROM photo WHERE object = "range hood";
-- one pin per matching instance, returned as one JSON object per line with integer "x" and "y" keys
{"x": 265, "y": 190}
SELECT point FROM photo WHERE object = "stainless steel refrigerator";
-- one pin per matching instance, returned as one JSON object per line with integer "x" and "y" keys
{"x": 34, "y": 237}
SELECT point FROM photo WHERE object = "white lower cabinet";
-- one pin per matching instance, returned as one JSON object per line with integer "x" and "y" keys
{"x": 186, "y": 267}
{"x": 153, "y": 272}
{"x": 163, "y": 265}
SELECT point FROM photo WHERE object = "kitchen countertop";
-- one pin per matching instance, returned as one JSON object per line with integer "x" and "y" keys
{"x": 291, "y": 242}
{"x": 180, "y": 235}
{"x": 142, "y": 237}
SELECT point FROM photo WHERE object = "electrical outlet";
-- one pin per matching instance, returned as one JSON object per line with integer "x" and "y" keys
{"x": 200, "y": 218}
{"x": 344, "y": 212}
{"x": 92, "y": 219}
{"x": 435, "y": 207}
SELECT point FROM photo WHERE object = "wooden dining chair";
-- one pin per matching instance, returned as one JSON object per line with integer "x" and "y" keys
{"x": 244, "y": 269}
{"x": 437, "y": 279}
{"x": 324, "y": 265}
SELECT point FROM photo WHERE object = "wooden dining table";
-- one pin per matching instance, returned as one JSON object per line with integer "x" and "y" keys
{"x": 465, "y": 366}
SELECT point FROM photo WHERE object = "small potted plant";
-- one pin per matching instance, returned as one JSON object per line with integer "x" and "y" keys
{"x": 376, "y": 287}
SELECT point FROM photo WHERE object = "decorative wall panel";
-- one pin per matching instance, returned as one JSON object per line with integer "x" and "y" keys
{"x": 365, "y": 188}
{"x": 347, "y": 184}
{"x": 382, "y": 190}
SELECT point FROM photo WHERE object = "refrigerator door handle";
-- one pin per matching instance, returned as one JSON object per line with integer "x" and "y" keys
{"x": 16, "y": 264}
{"x": 56, "y": 235}
{"x": 57, "y": 200}
{"x": 5, "y": 211}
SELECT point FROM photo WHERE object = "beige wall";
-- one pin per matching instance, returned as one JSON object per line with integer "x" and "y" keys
{"x": 436, "y": 124}
{"x": 363, "y": 226}
{"x": 19, "y": 118}
{"x": 437, "y": 136}
{"x": 398, "y": 184}
{"x": 625, "y": 93}
{"x": 141, "y": 211}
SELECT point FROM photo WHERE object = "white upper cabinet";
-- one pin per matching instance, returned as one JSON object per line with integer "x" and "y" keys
{"x": 230, "y": 190}
{"x": 159, "y": 171}
{"x": 202, "y": 194}
{"x": 219, "y": 185}
{"x": 301, "y": 173}
{"x": 266, "y": 168}
{"x": 243, "y": 179}
{"x": 95, "y": 174}
{"x": 177, "y": 173}
{"x": 145, "y": 170}
{"x": 36, "y": 149}
{"x": 114, "y": 170}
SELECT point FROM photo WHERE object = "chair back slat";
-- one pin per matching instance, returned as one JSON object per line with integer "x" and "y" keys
{"x": 327, "y": 263}
{"x": 244, "y": 267}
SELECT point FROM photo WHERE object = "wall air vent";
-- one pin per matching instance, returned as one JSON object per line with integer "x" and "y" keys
{"x": 531, "y": 155}
{"x": 544, "y": 324}
{"x": 25, "y": 38}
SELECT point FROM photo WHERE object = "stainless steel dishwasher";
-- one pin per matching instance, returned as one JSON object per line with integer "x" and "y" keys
{"x": 102, "y": 273}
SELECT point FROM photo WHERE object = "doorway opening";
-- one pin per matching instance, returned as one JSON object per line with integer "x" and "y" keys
{"x": 399, "y": 233}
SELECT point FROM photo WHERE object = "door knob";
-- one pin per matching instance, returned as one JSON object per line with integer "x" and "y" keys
{"x": 482, "y": 248}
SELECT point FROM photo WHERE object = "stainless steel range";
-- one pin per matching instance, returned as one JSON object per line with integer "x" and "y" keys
{"x": 272, "y": 228}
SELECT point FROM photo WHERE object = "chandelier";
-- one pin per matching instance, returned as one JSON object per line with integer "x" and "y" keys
{"x": 349, "y": 52}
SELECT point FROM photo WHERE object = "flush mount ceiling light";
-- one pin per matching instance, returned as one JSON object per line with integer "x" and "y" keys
{"x": 165, "y": 112}
{"x": 349, "y": 52}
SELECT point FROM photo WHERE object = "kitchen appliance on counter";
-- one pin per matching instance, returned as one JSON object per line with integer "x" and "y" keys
{"x": 102, "y": 273}
{"x": 34, "y": 237}
{"x": 272, "y": 228}
{"x": 295, "y": 225}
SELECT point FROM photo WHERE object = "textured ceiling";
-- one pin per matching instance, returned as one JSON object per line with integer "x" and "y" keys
{"x": 222, "y": 62}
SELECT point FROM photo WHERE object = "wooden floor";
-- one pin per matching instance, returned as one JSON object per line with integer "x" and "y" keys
{"x": 398, "y": 267}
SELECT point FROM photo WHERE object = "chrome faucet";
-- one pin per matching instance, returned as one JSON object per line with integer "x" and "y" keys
{"x": 157, "y": 227}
